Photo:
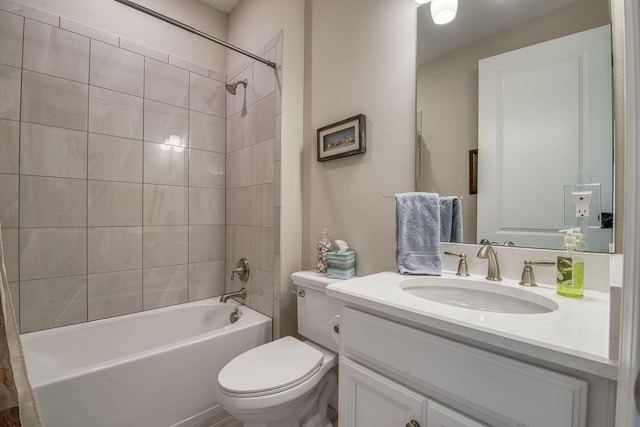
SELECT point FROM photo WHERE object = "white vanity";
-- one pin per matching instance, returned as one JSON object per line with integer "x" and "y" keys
{"x": 407, "y": 360}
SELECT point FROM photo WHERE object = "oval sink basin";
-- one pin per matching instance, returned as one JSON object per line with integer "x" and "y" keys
{"x": 477, "y": 295}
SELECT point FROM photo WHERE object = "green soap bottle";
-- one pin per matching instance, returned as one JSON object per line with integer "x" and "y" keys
{"x": 570, "y": 265}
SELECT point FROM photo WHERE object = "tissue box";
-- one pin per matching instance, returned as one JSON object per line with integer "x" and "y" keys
{"x": 341, "y": 266}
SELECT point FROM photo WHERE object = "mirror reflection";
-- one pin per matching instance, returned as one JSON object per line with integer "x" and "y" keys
{"x": 511, "y": 101}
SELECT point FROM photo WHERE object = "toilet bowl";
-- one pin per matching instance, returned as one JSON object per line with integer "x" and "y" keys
{"x": 288, "y": 382}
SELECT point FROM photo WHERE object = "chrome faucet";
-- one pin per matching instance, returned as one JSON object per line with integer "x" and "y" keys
{"x": 487, "y": 252}
{"x": 242, "y": 293}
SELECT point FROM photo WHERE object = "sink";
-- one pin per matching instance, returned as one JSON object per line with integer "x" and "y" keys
{"x": 477, "y": 295}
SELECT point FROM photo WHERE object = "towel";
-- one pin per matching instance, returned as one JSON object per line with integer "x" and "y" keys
{"x": 450, "y": 219}
{"x": 418, "y": 233}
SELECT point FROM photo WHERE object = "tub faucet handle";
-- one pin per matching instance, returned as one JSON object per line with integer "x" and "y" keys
{"x": 242, "y": 270}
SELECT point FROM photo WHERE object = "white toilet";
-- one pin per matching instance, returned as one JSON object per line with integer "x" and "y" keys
{"x": 288, "y": 382}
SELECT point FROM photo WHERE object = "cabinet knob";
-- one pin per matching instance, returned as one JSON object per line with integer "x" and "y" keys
{"x": 413, "y": 423}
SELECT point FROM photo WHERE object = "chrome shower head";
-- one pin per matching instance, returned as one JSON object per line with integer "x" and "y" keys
{"x": 231, "y": 87}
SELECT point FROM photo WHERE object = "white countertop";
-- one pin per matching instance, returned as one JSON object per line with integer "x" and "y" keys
{"x": 575, "y": 335}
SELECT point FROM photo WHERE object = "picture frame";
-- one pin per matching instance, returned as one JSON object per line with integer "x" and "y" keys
{"x": 473, "y": 171}
{"x": 342, "y": 139}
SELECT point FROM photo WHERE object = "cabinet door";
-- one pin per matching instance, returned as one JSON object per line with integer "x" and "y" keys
{"x": 368, "y": 399}
{"x": 441, "y": 416}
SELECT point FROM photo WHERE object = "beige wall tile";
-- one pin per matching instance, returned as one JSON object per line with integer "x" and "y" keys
{"x": 262, "y": 242}
{"x": 10, "y": 90}
{"x": 114, "y": 249}
{"x": 114, "y": 203}
{"x": 163, "y": 286}
{"x": 52, "y": 252}
{"x": 10, "y": 248}
{"x": 162, "y": 121}
{"x": 207, "y": 95}
{"x": 262, "y": 205}
{"x": 53, "y": 101}
{"x": 9, "y": 185}
{"x": 206, "y": 243}
{"x": 116, "y": 69}
{"x": 11, "y": 32}
{"x": 263, "y": 164}
{"x": 51, "y": 50}
{"x": 206, "y": 169}
{"x": 206, "y": 279}
{"x": 166, "y": 83}
{"x": 9, "y": 146}
{"x": 53, "y": 151}
{"x": 52, "y": 202}
{"x": 112, "y": 158}
{"x": 165, "y": 205}
{"x": 115, "y": 113}
{"x": 164, "y": 166}
{"x": 164, "y": 245}
{"x": 49, "y": 303}
{"x": 206, "y": 206}
{"x": 206, "y": 132}
{"x": 114, "y": 294}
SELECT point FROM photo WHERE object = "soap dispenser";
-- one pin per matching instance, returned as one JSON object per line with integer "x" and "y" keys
{"x": 570, "y": 264}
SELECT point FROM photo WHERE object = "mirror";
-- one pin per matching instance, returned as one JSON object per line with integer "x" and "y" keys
{"x": 529, "y": 200}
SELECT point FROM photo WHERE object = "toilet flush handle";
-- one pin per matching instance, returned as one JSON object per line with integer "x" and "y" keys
{"x": 299, "y": 293}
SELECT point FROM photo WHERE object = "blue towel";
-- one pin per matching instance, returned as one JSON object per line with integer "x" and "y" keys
{"x": 450, "y": 219}
{"x": 418, "y": 233}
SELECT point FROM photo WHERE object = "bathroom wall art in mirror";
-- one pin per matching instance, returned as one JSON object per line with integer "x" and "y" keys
{"x": 527, "y": 83}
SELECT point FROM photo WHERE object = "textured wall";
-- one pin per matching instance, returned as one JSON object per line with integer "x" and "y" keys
{"x": 362, "y": 60}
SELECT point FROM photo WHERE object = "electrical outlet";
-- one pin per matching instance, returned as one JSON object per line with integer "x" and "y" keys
{"x": 582, "y": 211}
{"x": 581, "y": 199}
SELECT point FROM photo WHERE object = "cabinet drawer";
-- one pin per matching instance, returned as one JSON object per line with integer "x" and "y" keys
{"x": 508, "y": 390}
{"x": 441, "y": 416}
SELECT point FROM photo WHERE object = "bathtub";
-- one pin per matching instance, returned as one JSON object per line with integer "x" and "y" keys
{"x": 151, "y": 369}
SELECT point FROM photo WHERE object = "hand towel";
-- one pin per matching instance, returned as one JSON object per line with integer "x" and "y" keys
{"x": 451, "y": 219}
{"x": 418, "y": 233}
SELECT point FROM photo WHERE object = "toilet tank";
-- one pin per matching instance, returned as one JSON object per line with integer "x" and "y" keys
{"x": 316, "y": 310}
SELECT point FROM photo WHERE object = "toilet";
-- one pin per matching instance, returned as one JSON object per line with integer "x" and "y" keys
{"x": 289, "y": 382}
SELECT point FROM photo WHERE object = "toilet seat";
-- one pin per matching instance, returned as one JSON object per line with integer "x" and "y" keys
{"x": 270, "y": 368}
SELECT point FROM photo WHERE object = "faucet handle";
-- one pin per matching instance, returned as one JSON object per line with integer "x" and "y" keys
{"x": 462, "y": 265}
{"x": 528, "y": 279}
{"x": 242, "y": 270}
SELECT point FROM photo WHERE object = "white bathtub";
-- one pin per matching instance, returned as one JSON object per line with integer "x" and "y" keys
{"x": 152, "y": 369}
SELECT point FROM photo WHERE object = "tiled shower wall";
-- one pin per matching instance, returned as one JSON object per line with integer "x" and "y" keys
{"x": 102, "y": 213}
{"x": 253, "y": 178}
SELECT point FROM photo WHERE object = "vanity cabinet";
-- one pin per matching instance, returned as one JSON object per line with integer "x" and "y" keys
{"x": 371, "y": 400}
{"x": 374, "y": 400}
{"x": 391, "y": 374}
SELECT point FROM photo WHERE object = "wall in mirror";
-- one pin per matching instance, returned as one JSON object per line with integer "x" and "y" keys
{"x": 448, "y": 60}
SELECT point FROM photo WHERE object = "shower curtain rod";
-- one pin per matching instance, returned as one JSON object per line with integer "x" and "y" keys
{"x": 194, "y": 31}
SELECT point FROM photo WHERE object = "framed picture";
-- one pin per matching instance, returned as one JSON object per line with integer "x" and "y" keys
{"x": 473, "y": 171}
{"x": 342, "y": 139}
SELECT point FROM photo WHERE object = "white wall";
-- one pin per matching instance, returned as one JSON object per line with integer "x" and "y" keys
{"x": 362, "y": 61}
{"x": 250, "y": 24}
{"x": 116, "y": 18}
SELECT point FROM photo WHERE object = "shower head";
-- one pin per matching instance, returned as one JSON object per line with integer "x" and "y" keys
{"x": 231, "y": 88}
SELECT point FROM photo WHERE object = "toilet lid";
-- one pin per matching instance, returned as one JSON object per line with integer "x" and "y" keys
{"x": 271, "y": 367}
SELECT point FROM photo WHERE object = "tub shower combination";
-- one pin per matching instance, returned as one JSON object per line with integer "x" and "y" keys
{"x": 154, "y": 368}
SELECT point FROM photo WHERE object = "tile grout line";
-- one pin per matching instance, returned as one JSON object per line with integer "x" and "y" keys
{"x": 20, "y": 300}
{"x": 87, "y": 181}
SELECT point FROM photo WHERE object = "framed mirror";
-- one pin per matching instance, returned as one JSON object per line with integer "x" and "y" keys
{"x": 518, "y": 137}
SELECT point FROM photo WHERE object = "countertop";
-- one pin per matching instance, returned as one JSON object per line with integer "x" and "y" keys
{"x": 576, "y": 335}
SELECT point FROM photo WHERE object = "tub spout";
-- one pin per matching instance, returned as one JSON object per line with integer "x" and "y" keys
{"x": 242, "y": 293}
